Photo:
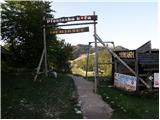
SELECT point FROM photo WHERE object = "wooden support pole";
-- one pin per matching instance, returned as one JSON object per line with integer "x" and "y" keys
{"x": 45, "y": 49}
{"x": 115, "y": 68}
{"x": 87, "y": 60}
{"x": 137, "y": 72}
{"x": 96, "y": 59}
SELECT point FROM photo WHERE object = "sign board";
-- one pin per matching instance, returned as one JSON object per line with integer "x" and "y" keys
{"x": 125, "y": 82}
{"x": 69, "y": 31}
{"x": 156, "y": 80}
{"x": 126, "y": 54}
{"x": 71, "y": 19}
{"x": 144, "y": 48}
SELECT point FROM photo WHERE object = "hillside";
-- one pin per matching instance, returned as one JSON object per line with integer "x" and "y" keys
{"x": 81, "y": 49}
{"x": 79, "y": 64}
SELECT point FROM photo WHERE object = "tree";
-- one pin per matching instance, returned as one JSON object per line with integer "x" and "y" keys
{"x": 22, "y": 23}
{"x": 59, "y": 55}
{"x": 21, "y": 27}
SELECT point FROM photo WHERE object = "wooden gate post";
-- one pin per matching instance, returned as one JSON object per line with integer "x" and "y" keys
{"x": 96, "y": 59}
{"x": 45, "y": 49}
{"x": 88, "y": 51}
{"x": 137, "y": 72}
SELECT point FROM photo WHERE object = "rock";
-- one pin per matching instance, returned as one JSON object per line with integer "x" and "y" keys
{"x": 107, "y": 97}
{"x": 124, "y": 110}
{"x": 146, "y": 111}
{"x": 78, "y": 112}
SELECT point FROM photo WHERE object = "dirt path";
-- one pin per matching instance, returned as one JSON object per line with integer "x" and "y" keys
{"x": 92, "y": 105}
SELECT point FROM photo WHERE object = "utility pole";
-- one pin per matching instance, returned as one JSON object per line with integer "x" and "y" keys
{"x": 45, "y": 49}
{"x": 96, "y": 58}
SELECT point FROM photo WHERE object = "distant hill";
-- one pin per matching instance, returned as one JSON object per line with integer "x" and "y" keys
{"x": 79, "y": 64}
{"x": 120, "y": 48}
{"x": 81, "y": 49}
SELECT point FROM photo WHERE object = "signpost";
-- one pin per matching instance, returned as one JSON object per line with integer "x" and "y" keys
{"x": 69, "y": 31}
{"x": 71, "y": 19}
{"x": 126, "y": 82}
{"x": 127, "y": 54}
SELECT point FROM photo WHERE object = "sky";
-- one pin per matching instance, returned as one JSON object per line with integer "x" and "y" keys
{"x": 129, "y": 24}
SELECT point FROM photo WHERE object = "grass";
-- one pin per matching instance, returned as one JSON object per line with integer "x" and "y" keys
{"x": 128, "y": 105}
{"x": 79, "y": 71}
{"x": 22, "y": 98}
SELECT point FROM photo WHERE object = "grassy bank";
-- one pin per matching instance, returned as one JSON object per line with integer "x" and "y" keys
{"x": 22, "y": 98}
{"x": 128, "y": 105}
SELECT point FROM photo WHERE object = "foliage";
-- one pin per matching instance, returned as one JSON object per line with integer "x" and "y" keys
{"x": 22, "y": 29}
{"x": 128, "y": 105}
{"x": 22, "y": 23}
{"x": 103, "y": 57}
{"x": 21, "y": 98}
{"x": 5, "y": 69}
{"x": 59, "y": 54}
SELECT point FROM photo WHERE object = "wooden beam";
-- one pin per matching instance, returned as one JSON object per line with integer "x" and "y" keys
{"x": 87, "y": 23}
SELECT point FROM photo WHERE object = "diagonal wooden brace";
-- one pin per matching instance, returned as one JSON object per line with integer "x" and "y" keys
{"x": 39, "y": 66}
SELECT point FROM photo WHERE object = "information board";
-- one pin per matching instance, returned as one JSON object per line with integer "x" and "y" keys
{"x": 69, "y": 31}
{"x": 125, "y": 82}
{"x": 156, "y": 80}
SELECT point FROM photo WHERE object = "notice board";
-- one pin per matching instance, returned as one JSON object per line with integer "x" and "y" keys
{"x": 125, "y": 82}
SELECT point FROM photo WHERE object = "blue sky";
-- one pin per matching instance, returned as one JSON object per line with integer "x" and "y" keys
{"x": 129, "y": 24}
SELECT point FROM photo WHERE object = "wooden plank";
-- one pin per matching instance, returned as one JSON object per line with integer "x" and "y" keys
{"x": 149, "y": 58}
{"x": 145, "y": 47}
{"x": 142, "y": 75}
{"x": 69, "y": 31}
{"x": 151, "y": 69}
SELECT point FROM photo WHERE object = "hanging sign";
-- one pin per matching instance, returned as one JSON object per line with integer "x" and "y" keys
{"x": 126, "y": 54}
{"x": 71, "y": 19}
{"x": 69, "y": 31}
